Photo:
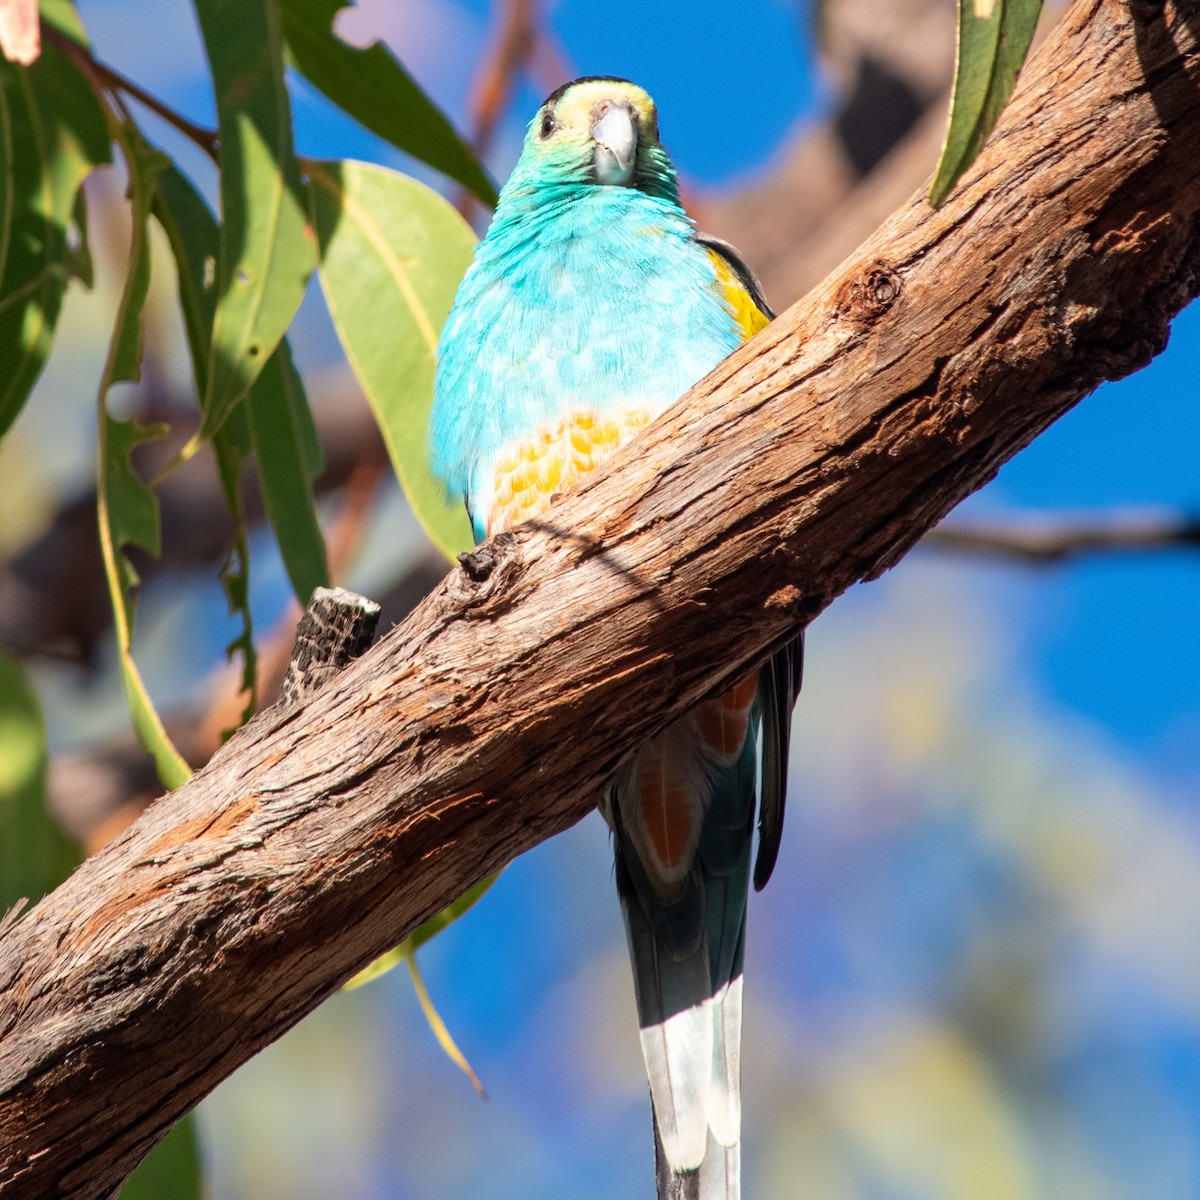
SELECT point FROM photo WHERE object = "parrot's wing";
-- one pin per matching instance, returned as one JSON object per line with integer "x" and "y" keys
{"x": 780, "y": 676}
{"x": 779, "y": 685}
{"x": 740, "y": 269}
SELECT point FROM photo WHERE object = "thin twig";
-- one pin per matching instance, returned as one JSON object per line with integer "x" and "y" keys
{"x": 507, "y": 56}
{"x": 116, "y": 83}
{"x": 1044, "y": 540}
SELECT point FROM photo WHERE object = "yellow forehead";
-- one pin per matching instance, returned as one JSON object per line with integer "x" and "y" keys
{"x": 576, "y": 106}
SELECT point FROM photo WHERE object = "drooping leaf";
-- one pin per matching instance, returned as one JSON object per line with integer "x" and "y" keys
{"x": 267, "y": 251}
{"x": 288, "y": 457}
{"x": 993, "y": 39}
{"x": 35, "y": 856}
{"x": 127, "y": 509}
{"x": 428, "y": 929}
{"x": 374, "y": 88}
{"x": 433, "y": 1019}
{"x": 406, "y": 952}
{"x": 171, "y": 1169}
{"x": 392, "y": 253}
{"x": 54, "y": 135}
{"x": 194, "y": 239}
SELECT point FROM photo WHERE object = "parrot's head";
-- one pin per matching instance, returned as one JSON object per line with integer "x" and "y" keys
{"x": 597, "y": 131}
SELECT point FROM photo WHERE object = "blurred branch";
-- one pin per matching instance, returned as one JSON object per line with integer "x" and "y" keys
{"x": 507, "y": 57}
{"x": 1051, "y": 540}
{"x": 52, "y": 598}
{"x": 892, "y": 62}
{"x": 814, "y": 457}
{"x": 521, "y": 42}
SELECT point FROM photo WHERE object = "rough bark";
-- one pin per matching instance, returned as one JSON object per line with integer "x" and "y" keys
{"x": 813, "y": 458}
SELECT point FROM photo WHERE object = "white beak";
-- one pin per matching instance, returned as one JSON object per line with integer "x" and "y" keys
{"x": 615, "y": 136}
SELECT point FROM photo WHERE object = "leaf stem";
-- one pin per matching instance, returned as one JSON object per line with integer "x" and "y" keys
{"x": 206, "y": 139}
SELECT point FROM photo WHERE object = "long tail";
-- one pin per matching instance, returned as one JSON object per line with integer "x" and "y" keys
{"x": 687, "y": 964}
{"x": 683, "y": 823}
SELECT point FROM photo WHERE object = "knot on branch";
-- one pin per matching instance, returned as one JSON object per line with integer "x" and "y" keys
{"x": 868, "y": 296}
{"x": 478, "y": 563}
{"x": 485, "y": 570}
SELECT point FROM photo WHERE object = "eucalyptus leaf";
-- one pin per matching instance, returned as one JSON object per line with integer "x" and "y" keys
{"x": 171, "y": 1169}
{"x": 35, "y": 856}
{"x": 266, "y": 250}
{"x": 423, "y": 933}
{"x": 993, "y": 39}
{"x": 127, "y": 510}
{"x": 52, "y": 135}
{"x": 374, "y": 88}
{"x": 406, "y": 952}
{"x": 194, "y": 238}
{"x": 392, "y": 254}
{"x": 288, "y": 459}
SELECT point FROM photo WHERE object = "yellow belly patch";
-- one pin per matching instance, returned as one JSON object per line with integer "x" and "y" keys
{"x": 531, "y": 472}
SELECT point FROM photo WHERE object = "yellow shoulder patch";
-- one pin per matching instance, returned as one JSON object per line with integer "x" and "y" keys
{"x": 749, "y": 317}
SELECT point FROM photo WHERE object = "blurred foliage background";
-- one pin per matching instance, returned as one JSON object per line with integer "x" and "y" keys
{"x": 974, "y": 974}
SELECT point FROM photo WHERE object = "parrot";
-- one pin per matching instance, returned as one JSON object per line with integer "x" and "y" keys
{"x": 592, "y": 303}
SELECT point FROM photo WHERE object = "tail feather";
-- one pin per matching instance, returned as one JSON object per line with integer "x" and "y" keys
{"x": 724, "y": 1107}
{"x": 678, "y": 1055}
{"x": 686, "y": 945}
{"x": 720, "y": 1174}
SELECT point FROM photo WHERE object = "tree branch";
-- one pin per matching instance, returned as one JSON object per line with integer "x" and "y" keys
{"x": 812, "y": 458}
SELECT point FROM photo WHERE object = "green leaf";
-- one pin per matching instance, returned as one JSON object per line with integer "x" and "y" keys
{"x": 35, "y": 856}
{"x": 171, "y": 1169}
{"x": 419, "y": 936}
{"x": 392, "y": 253}
{"x": 266, "y": 250}
{"x": 451, "y": 912}
{"x": 993, "y": 39}
{"x": 62, "y": 15}
{"x": 375, "y": 89}
{"x": 194, "y": 239}
{"x": 79, "y": 250}
{"x": 274, "y": 422}
{"x": 406, "y": 952}
{"x": 52, "y": 134}
{"x": 288, "y": 457}
{"x": 127, "y": 509}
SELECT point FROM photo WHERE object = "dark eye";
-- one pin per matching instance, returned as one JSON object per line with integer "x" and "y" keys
{"x": 547, "y": 125}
